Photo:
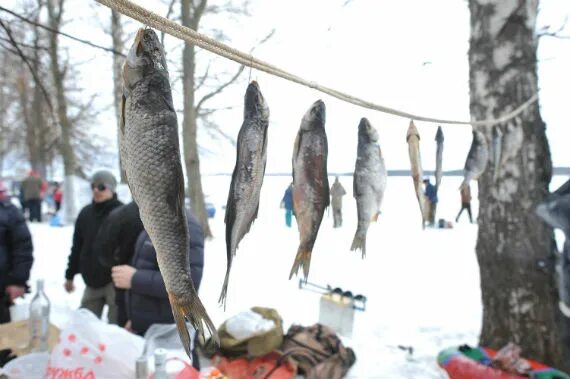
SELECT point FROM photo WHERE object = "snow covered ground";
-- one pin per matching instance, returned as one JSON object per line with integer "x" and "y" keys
{"x": 422, "y": 286}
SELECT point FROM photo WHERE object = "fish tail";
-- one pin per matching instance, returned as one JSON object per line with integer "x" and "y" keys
{"x": 192, "y": 310}
{"x": 359, "y": 243}
{"x": 303, "y": 259}
{"x": 224, "y": 293}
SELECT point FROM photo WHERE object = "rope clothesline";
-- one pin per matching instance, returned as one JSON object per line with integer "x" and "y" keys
{"x": 189, "y": 35}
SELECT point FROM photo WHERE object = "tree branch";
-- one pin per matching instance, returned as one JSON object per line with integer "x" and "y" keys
{"x": 33, "y": 72}
{"x": 555, "y": 34}
{"x": 52, "y": 30}
{"x": 219, "y": 89}
{"x": 168, "y": 13}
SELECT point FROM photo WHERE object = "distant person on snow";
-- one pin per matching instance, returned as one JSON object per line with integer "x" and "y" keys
{"x": 83, "y": 258}
{"x": 465, "y": 203}
{"x": 431, "y": 195}
{"x": 33, "y": 189}
{"x": 337, "y": 192}
{"x": 16, "y": 257}
{"x": 287, "y": 203}
{"x": 57, "y": 196}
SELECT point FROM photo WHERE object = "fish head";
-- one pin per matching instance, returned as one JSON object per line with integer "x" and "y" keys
{"x": 255, "y": 104}
{"x": 366, "y": 132}
{"x": 439, "y": 135}
{"x": 412, "y": 131}
{"x": 315, "y": 116}
{"x": 555, "y": 211}
{"x": 146, "y": 55}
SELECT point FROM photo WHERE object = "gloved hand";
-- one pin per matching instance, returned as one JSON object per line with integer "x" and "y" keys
{"x": 6, "y": 356}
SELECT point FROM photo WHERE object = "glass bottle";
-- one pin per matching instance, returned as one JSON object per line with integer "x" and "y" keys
{"x": 160, "y": 364}
{"x": 39, "y": 319}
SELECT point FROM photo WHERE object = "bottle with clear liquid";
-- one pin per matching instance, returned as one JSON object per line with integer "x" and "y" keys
{"x": 160, "y": 364}
{"x": 39, "y": 319}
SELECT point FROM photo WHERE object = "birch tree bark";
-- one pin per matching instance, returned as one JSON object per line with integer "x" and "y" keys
{"x": 118, "y": 45}
{"x": 55, "y": 12}
{"x": 520, "y": 298}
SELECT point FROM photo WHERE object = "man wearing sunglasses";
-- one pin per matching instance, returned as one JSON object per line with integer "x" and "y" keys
{"x": 84, "y": 259}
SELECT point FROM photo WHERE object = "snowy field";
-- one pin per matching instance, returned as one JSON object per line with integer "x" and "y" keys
{"x": 422, "y": 286}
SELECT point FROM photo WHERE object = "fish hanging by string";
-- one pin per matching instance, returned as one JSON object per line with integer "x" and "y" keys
{"x": 310, "y": 183}
{"x": 413, "y": 139}
{"x": 247, "y": 178}
{"x": 438, "y": 157}
{"x": 150, "y": 154}
{"x": 369, "y": 182}
{"x": 497, "y": 146}
{"x": 477, "y": 158}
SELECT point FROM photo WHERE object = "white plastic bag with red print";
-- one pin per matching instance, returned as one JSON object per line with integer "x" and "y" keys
{"x": 89, "y": 348}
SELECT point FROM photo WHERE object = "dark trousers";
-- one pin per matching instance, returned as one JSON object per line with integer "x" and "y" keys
{"x": 35, "y": 207}
{"x": 4, "y": 308}
{"x": 57, "y": 206}
{"x": 465, "y": 206}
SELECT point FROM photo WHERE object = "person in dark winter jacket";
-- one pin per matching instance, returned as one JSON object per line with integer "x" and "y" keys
{"x": 431, "y": 195}
{"x": 146, "y": 297}
{"x": 115, "y": 245}
{"x": 16, "y": 256}
{"x": 83, "y": 259}
{"x": 287, "y": 203}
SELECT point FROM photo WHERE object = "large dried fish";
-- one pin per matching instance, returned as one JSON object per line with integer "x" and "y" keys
{"x": 310, "y": 182}
{"x": 150, "y": 154}
{"x": 247, "y": 178}
{"x": 369, "y": 182}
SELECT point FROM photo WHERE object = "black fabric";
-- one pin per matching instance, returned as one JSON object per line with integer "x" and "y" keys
{"x": 83, "y": 258}
{"x": 16, "y": 247}
{"x": 147, "y": 300}
{"x": 115, "y": 245}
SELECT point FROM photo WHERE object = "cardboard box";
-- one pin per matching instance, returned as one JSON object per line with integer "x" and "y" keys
{"x": 337, "y": 312}
{"x": 15, "y": 335}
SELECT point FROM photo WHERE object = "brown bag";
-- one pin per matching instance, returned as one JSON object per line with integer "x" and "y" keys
{"x": 318, "y": 352}
{"x": 253, "y": 347}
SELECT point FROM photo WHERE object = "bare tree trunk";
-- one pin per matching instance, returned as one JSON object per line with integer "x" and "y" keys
{"x": 118, "y": 45}
{"x": 38, "y": 120}
{"x": 191, "y": 15}
{"x": 519, "y": 298}
{"x": 31, "y": 135}
{"x": 55, "y": 13}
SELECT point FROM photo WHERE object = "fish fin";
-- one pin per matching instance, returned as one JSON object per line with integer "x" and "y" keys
{"x": 359, "y": 243}
{"x": 375, "y": 217}
{"x": 122, "y": 120}
{"x": 224, "y": 293}
{"x": 303, "y": 259}
{"x": 194, "y": 312}
{"x": 296, "y": 147}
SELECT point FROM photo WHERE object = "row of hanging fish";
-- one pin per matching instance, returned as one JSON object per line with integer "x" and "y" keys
{"x": 151, "y": 157}
{"x": 310, "y": 179}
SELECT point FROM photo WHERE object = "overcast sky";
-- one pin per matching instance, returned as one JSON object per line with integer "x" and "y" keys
{"x": 407, "y": 54}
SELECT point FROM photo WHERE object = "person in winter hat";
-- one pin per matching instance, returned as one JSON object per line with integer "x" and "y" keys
{"x": 83, "y": 258}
